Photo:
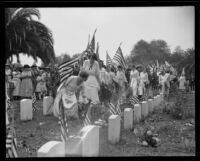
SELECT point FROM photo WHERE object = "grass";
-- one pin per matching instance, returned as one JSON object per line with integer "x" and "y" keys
{"x": 177, "y": 139}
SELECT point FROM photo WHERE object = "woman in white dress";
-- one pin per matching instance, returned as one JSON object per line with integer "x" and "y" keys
{"x": 182, "y": 81}
{"x": 67, "y": 94}
{"x": 143, "y": 79}
{"x": 92, "y": 85}
{"x": 134, "y": 76}
{"x": 120, "y": 78}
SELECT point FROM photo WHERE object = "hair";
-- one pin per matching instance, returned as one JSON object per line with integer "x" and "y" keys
{"x": 133, "y": 66}
{"x": 26, "y": 66}
{"x": 83, "y": 74}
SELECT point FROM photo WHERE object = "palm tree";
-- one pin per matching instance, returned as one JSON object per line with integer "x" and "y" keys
{"x": 28, "y": 36}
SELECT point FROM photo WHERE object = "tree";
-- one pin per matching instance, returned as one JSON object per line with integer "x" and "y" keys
{"x": 159, "y": 50}
{"x": 28, "y": 36}
{"x": 146, "y": 53}
{"x": 63, "y": 58}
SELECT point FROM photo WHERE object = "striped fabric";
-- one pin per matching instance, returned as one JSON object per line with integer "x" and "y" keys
{"x": 112, "y": 109}
{"x": 134, "y": 100}
{"x": 11, "y": 146}
{"x": 34, "y": 103}
{"x": 108, "y": 60}
{"x": 63, "y": 122}
{"x": 66, "y": 69}
{"x": 119, "y": 58}
{"x": 86, "y": 121}
{"x": 120, "y": 102}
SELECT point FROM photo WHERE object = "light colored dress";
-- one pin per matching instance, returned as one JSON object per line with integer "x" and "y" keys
{"x": 166, "y": 82}
{"x": 120, "y": 78}
{"x": 182, "y": 82}
{"x": 66, "y": 94}
{"x": 102, "y": 75}
{"x": 143, "y": 78}
{"x": 134, "y": 76}
{"x": 91, "y": 85}
{"x": 17, "y": 83}
{"x": 26, "y": 88}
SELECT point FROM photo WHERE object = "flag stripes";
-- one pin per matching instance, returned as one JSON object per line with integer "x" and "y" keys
{"x": 34, "y": 103}
{"x": 11, "y": 146}
{"x": 134, "y": 100}
{"x": 86, "y": 121}
{"x": 108, "y": 60}
{"x": 112, "y": 109}
{"x": 63, "y": 121}
{"x": 119, "y": 58}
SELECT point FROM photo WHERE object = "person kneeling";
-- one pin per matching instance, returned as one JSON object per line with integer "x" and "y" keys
{"x": 66, "y": 93}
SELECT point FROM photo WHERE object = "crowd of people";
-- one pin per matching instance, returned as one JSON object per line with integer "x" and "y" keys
{"x": 23, "y": 82}
{"x": 87, "y": 83}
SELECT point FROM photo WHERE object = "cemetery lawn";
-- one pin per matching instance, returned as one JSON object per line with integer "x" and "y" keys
{"x": 177, "y": 137}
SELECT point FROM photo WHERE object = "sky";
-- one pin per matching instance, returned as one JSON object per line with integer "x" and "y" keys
{"x": 71, "y": 28}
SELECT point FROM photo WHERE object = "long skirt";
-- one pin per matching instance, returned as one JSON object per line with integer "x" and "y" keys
{"x": 134, "y": 86}
{"x": 17, "y": 83}
{"x": 92, "y": 93}
{"x": 69, "y": 102}
{"x": 26, "y": 88}
{"x": 141, "y": 88}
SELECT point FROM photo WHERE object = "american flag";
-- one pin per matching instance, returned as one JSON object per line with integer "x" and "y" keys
{"x": 108, "y": 60}
{"x": 65, "y": 70}
{"x": 63, "y": 122}
{"x": 92, "y": 43}
{"x": 34, "y": 103}
{"x": 11, "y": 146}
{"x": 119, "y": 103}
{"x": 134, "y": 100}
{"x": 119, "y": 58}
{"x": 112, "y": 109}
{"x": 86, "y": 121}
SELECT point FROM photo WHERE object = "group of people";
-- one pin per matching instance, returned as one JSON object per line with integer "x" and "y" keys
{"x": 26, "y": 81}
{"x": 87, "y": 82}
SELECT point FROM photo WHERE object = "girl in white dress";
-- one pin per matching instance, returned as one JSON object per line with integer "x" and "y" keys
{"x": 143, "y": 79}
{"x": 120, "y": 78}
{"x": 134, "y": 76}
{"x": 182, "y": 81}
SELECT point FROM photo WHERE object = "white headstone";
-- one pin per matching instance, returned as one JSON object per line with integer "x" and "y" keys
{"x": 52, "y": 149}
{"x": 128, "y": 118}
{"x": 90, "y": 141}
{"x": 144, "y": 109}
{"x": 47, "y": 102}
{"x": 137, "y": 112}
{"x": 114, "y": 128}
{"x": 26, "y": 111}
{"x": 150, "y": 105}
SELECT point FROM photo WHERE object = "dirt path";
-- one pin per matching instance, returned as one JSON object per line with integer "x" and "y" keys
{"x": 177, "y": 139}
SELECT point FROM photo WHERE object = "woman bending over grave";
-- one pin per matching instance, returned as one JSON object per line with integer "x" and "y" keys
{"x": 66, "y": 95}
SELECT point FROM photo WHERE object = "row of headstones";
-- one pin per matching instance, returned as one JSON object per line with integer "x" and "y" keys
{"x": 26, "y": 109}
{"x": 131, "y": 116}
{"x": 86, "y": 143}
